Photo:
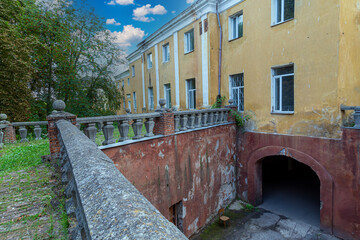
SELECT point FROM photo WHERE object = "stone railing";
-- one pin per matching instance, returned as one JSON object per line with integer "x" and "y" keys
{"x": 189, "y": 120}
{"x": 106, "y": 124}
{"x": 356, "y": 110}
{"x": 106, "y": 205}
{"x": 23, "y": 129}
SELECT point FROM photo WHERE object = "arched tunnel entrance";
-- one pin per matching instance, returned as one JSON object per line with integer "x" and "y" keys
{"x": 290, "y": 188}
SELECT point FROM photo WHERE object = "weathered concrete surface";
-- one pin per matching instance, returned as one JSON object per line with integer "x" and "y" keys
{"x": 335, "y": 161}
{"x": 197, "y": 168}
{"x": 106, "y": 204}
{"x": 259, "y": 224}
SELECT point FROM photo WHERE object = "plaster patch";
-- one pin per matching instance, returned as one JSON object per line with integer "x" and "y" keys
{"x": 246, "y": 181}
{"x": 142, "y": 154}
{"x": 193, "y": 225}
{"x": 121, "y": 151}
{"x": 205, "y": 198}
{"x": 160, "y": 143}
{"x": 161, "y": 154}
{"x": 217, "y": 145}
{"x": 152, "y": 145}
{"x": 184, "y": 211}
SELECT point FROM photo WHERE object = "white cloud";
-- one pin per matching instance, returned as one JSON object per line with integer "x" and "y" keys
{"x": 121, "y": 2}
{"x": 112, "y": 21}
{"x": 140, "y": 13}
{"x": 128, "y": 36}
{"x": 173, "y": 12}
{"x": 190, "y": 1}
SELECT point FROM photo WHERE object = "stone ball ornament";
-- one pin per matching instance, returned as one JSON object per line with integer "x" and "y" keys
{"x": 162, "y": 102}
{"x": 3, "y": 117}
{"x": 59, "y": 105}
{"x": 231, "y": 101}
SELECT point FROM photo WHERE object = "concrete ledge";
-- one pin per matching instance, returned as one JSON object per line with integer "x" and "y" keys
{"x": 106, "y": 204}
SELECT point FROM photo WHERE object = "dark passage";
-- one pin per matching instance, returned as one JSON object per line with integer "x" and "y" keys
{"x": 291, "y": 188}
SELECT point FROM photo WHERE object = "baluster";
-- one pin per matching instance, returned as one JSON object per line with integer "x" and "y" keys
{"x": 37, "y": 132}
{"x": 177, "y": 123}
{"x": 205, "y": 119}
{"x": 1, "y": 138}
{"x": 216, "y": 117}
{"x": 221, "y": 116}
{"x": 108, "y": 131}
{"x": 23, "y": 134}
{"x": 149, "y": 125}
{"x": 78, "y": 125}
{"x": 191, "y": 121}
{"x": 198, "y": 120}
{"x": 183, "y": 122}
{"x": 226, "y": 114}
{"x": 123, "y": 127}
{"x": 90, "y": 131}
{"x": 137, "y": 127}
{"x": 211, "y": 119}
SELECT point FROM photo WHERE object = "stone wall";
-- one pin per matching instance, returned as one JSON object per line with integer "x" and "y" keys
{"x": 335, "y": 161}
{"x": 196, "y": 167}
{"x": 105, "y": 203}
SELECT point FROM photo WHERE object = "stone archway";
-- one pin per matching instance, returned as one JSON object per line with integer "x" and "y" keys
{"x": 254, "y": 172}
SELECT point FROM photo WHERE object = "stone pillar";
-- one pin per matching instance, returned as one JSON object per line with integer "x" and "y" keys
{"x": 56, "y": 115}
{"x": 10, "y": 135}
{"x": 164, "y": 125}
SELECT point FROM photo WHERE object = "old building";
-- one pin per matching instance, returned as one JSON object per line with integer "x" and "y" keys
{"x": 288, "y": 64}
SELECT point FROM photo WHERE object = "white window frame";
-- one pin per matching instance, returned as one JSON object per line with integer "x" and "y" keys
{"x": 149, "y": 60}
{"x": 133, "y": 70}
{"x": 166, "y": 52}
{"x": 275, "y": 13}
{"x": 129, "y": 101}
{"x": 187, "y": 40}
{"x": 231, "y": 88}
{"x": 188, "y": 94}
{"x": 273, "y": 97}
{"x": 151, "y": 98}
{"x": 235, "y": 19}
{"x": 167, "y": 94}
{"x": 134, "y": 102}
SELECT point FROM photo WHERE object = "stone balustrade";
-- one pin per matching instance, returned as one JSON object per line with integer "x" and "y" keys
{"x": 356, "y": 110}
{"x": 189, "y": 120}
{"x": 24, "y": 126}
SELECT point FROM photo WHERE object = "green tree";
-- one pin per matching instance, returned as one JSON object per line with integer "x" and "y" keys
{"x": 15, "y": 61}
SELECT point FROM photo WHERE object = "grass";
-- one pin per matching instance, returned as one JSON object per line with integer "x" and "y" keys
{"x": 22, "y": 156}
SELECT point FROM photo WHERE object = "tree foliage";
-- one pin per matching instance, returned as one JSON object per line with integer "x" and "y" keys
{"x": 63, "y": 52}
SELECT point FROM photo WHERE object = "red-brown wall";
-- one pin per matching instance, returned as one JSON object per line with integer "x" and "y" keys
{"x": 197, "y": 168}
{"x": 336, "y": 162}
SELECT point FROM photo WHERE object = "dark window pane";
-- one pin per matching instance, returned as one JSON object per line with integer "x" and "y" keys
{"x": 289, "y": 9}
{"x": 288, "y": 93}
{"x": 284, "y": 70}
{"x": 279, "y": 10}
{"x": 240, "y": 28}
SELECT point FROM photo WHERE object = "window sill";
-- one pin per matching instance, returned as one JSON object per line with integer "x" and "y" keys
{"x": 189, "y": 52}
{"x": 164, "y": 62}
{"x": 231, "y": 40}
{"x": 279, "y": 23}
{"x": 282, "y": 113}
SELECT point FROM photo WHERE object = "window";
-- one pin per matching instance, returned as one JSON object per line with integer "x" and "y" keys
{"x": 134, "y": 98}
{"x": 191, "y": 94}
{"x": 151, "y": 98}
{"x": 236, "y": 26}
{"x": 128, "y": 96}
{"x": 166, "y": 53}
{"x": 189, "y": 41}
{"x": 122, "y": 83}
{"x": 167, "y": 91}
{"x": 283, "y": 89}
{"x": 124, "y": 102}
{"x": 149, "y": 60}
{"x": 133, "y": 70}
{"x": 282, "y": 10}
{"x": 176, "y": 215}
{"x": 237, "y": 90}
{"x": 128, "y": 81}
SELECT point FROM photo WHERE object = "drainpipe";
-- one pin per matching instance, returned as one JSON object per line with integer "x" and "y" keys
{"x": 220, "y": 49}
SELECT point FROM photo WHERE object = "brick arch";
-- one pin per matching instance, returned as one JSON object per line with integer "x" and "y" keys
{"x": 254, "y": 172}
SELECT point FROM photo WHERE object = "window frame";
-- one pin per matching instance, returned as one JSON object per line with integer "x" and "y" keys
{"x": 166, "y": 52}
{"x": 151, "y": 98}
{"x": 239, "y": 87}
{"x": 133, "y": 71}
{"x": 128, "y": 96}
{"x": 149, "y": 60}
{"x": 235, "y": 17}
{"x": 274, "y": 12}
{"x": 192, "y": 91}
{"x": 187, "y": 37}
{"x": 128, "y": 81}
{"x": 167, "y": 94}
{"x": 122, "y": 83}
{"x": 273, "y": 89}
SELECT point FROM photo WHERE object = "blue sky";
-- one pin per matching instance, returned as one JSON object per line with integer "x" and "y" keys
{"x": 131, "y": 21}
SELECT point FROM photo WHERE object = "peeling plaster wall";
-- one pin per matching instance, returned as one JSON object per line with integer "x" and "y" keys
{"x": 196, "y": 167}
{"x": 336, "y": 162}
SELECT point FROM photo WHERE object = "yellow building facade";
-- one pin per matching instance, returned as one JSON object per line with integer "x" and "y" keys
{"x": 289, "y": 65}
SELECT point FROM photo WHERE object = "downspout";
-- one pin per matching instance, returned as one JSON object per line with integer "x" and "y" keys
{"x": 220, "y": 49}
